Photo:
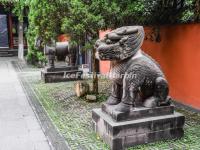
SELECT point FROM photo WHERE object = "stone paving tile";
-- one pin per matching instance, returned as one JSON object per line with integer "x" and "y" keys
{"x": 31, "y": 122}
{"x": 22, "y": 143}
{"x": 19, "y": 128}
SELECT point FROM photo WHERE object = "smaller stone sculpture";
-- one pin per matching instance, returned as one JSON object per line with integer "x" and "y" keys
{"x": 57, "y": 52}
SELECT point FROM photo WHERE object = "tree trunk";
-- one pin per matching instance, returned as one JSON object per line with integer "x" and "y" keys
{"x": 95, "y": 77}
{"x": 197, "y": 10}
{"x": 21, "y": 40}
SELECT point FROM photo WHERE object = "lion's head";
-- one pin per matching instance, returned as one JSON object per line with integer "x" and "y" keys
{"x": 120, "y": 44}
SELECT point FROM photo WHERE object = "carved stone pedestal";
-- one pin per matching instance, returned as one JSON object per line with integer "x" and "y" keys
{"x": 139, "y": 126}
{"x": 61, "y": 74}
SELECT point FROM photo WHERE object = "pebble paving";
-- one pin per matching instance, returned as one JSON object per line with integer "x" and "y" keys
{"x": 19, "y": 127}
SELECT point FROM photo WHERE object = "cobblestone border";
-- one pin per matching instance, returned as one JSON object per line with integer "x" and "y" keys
{"x": 56, "y": 140}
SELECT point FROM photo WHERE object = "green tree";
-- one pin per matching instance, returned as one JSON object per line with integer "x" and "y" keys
{"x": 82, "y": 19}
{"x": 83, "y": 22}
{"x": 44, "y": 22}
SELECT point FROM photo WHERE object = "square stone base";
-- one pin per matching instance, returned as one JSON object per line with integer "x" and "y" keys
{"x": 61, "y": 76}
{"x": 60, "y": 68}
{"x": 124, "y": 134}
{"x": 136, "y": 113}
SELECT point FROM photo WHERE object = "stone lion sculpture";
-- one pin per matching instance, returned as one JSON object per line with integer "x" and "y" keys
{"x": 137, "y": 79}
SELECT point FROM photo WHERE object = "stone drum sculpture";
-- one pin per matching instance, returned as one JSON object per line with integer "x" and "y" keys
{"x": 59, "y": 73}
{"x": 138, "y": 110}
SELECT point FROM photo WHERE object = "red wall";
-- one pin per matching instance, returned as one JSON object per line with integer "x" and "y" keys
{"x": 178, "y": 53}
{"x": 104, "y": 65}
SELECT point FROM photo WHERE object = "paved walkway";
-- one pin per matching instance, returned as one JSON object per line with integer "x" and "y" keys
{"x": 19, "y": 127}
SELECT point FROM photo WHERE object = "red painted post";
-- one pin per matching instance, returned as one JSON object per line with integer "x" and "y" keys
{"x": 10, "y": 31}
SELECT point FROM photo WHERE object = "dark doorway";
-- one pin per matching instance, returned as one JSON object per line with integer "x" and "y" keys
{"x": 4, "y": 43}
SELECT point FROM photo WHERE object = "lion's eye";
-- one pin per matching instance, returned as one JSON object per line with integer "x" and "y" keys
{"x": 108, "y": 41}
{"x": 121, "y": 42}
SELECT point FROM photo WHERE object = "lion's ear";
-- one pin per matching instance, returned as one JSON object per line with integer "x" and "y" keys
{"x": 133, "y": 30}
{"x": 114, "y": 36}
{"x": 120, "y": 31}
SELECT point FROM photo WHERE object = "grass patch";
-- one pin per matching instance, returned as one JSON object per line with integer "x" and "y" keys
{"x": 72, "y": 116}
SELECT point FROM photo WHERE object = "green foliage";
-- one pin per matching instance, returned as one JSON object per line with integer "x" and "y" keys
{"x": 80, "y": 22}
{"x": 82, "y": 19}
{"x": 132, "y": 12}
{"x": 156, "y": 12}
{"x": 88, "y": 46}
{"x": 19, "y": 7}
{"x": 86, "y": 18}
{"x": 108, "y": 10}
{"x": 8, "y": 1}
{"x": 44, "y": 21}
{"x": 83, "y": 22}
{"x": 188, "y": 14}
{"x": 7, "y": 5}
{"x": 41, "y": 57}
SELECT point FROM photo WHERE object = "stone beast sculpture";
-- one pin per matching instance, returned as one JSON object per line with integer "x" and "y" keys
{"x": 137, "y": 78}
